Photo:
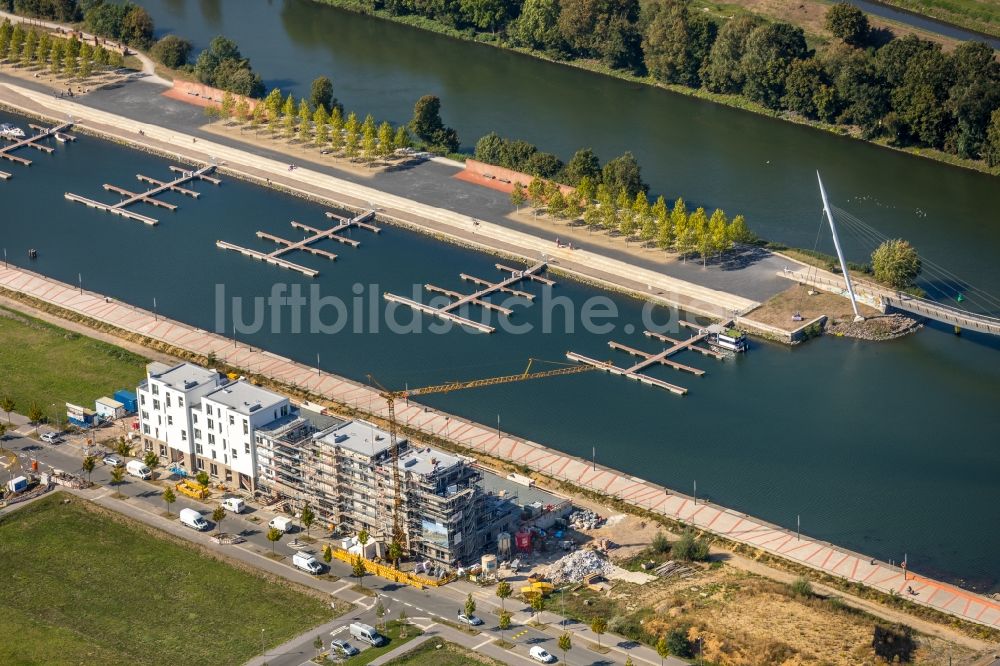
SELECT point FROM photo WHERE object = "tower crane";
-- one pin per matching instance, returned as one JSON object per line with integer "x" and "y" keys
{"x": 390, "y": 398}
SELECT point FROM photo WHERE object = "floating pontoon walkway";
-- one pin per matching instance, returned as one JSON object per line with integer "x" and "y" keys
{"x": 360, "y": 221}
{"x": 663, "y": 358}
{"x": 148, "y": 196}
{"x": 447, "y": 312}
{"x": 31, "y": 142}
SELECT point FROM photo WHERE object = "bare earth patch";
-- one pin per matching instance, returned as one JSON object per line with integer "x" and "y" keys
{"x": 778, "y": 310}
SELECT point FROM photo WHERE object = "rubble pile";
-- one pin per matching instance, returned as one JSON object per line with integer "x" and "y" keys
{"x": 671, "y": 568}
{"x": 585, "y": 519}
{"x": 579, "y": 564}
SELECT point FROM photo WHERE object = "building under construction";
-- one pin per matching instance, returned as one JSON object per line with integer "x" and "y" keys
{"x": 345, "y": 474}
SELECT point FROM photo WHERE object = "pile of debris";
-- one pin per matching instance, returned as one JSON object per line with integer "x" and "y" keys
{"x": 671, "y": 568}
{"x": 579, "y": 564}
{"x": 585, "y": 519}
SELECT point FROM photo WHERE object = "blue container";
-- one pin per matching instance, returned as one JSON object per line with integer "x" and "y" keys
{"x": 128, "y": 399}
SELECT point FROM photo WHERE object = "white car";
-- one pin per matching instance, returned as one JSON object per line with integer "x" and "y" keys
{"x": 50, "y": 437}
{"x": 470, "y": 620}
{"x": 539, "y": 654}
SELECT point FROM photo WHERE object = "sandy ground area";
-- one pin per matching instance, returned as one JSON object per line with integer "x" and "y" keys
{"x": 59, "y": 83}
{"x": 778, "y": 311}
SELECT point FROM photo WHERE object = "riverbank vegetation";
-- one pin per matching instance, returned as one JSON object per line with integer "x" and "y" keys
{"x": 58, "y": 54}
{"x": 906, "y": 93}
{"x": 979, "y": 15}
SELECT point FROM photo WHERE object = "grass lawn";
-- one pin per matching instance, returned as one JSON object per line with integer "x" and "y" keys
{"x": 392, "y": 631}
{"x": 42, "y": 364}
{"x": 449, "y": 654}
{"x": 85, "y": 586}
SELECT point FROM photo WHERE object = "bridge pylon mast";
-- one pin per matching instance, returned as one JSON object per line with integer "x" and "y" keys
{"x": 840, "y": 253}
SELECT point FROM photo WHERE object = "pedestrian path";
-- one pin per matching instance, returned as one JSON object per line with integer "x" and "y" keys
{"x": 738, "y": 527}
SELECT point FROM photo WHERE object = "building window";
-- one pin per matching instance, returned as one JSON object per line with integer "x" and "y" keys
{"x": 194, "y": 416}
{"x": 156, "y": 389}
{"x": 246, "y": 427}
{"x": 142, "y": 398}
{"x": 167, "y": 399}
{"x": 201, "y": 464}
{"x": 145, "y": 415}
{"x": 156, "y": 404}
{"x": 214, "y": 457}
{"x": 170, "y": 420}
{"x": 211, "y": 424}
{"x": 197, "y": 433}
{"x": 184, "y": 435}
{"x": 145, "y": 428}
{"x": 180, "y": 401}
{"x": 198, "y": 449}
{"x": 213, "y": 470}
{"x": 211, "y": 439}
{"x": 218, "y": 412}
{"x": 246, "y": 448}
{"x": 232, "y": 420}
{"x": 234, "y": 454}
{"x": 163, "y": 450}
{"x": 284, "y": 410}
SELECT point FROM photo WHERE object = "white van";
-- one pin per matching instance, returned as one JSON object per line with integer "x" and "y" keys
{"x": 233, "y": 504}
{"x": 139, "y": 469}
{"x": 307, "y": 562}
{"x": 193, "y": 519}
{"x": 281, "y": 523}
{"x": 368, "y": 634}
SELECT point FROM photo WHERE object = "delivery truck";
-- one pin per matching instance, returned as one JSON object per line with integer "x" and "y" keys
{"x": 138, "y": 469}
{"x": 193, "y": 519}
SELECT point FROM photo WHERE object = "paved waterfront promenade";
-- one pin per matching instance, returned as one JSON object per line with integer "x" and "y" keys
{"x": 710, "y": 517}
{"x": 439, "y": 221}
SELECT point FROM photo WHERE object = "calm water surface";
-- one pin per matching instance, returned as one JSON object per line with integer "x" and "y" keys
{"x": 888, "y": 449}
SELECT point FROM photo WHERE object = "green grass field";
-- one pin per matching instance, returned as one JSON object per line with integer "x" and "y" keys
{"x": 449, "y": 654}
{"x": 84, "y": 586}
{"x": 392, "y": 632}
{"x": 44, "y": 365}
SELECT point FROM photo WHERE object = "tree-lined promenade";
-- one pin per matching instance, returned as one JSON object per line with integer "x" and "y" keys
{"x": 61, "y": 55}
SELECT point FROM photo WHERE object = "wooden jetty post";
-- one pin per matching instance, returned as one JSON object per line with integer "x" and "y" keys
{"x": 305, "y": 244}
{"x": 447, "y": 312}
{"x": 149, "y": 196}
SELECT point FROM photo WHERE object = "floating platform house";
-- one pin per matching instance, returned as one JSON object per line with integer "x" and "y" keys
{"x": 305, "y": 245}
{"x": 447, "y": 312}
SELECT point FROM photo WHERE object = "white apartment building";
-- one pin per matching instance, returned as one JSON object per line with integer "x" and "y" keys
{"x": 197, "y": 418}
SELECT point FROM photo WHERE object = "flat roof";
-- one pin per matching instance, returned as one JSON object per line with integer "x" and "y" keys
{"x": 516, "y": 492}
{"x": 184, "y": 376}
{"x": 358, "y": 436}
{"x": 245, "y": 398}
{"x": 426, "y": 461}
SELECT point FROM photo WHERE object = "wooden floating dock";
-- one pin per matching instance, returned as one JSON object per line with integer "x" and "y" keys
{"x": 447, "y": 313}
{"x": 149, "y": 196}
{"x": 274, "y": 258}
{"x": 662, "y": 358}
{"x": 32, "y": 142}
{"x": 4, "y": 175}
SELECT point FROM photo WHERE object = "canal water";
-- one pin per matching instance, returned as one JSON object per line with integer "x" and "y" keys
{"x": 713, "y": 156}
{"x": 885, "y": 448}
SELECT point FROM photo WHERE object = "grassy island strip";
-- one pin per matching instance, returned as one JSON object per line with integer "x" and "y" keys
{"x": 86, "y": 585}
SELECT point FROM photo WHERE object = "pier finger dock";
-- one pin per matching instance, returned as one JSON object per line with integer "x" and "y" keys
{"x": 7, "y": 152}
{"x": 305, "y": 245}
{"x": 149, "y": 196}
{"x": 447, "y": 312}
{"x": 662, "y": 358}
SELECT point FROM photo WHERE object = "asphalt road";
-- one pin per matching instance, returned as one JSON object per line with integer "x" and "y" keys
{"x": 433, "y": 610}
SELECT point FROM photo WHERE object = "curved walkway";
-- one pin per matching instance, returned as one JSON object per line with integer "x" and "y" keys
{"x": 739, "y": 527}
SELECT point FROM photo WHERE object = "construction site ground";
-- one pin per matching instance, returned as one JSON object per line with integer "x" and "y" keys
{"x": 744, "y": 611}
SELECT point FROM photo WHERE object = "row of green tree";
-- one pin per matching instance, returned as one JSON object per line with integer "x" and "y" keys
{"x": 124, "y": 22}
{"x": 620, "y": 174}
{"x": 69, "y": 57}
{"x": 634, "y": 217}
{"x": 907, "y": 90}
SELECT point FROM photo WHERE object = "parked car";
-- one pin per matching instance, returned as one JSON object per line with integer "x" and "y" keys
{"x": 50, "y": 437}
{"x": 234, "y": 504}
{"x": 470, "y": 620}
{"x": 307, "y": 562}
{"x": 541, "y": 655}
{"x": 281, "y": 523}
{"x": 341, "y": 646}
{"x": 193, "y": 519}
{"x": 114, "y": 460}
{"x": 138, "y": 468}
{"x": 368, "y": 634}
